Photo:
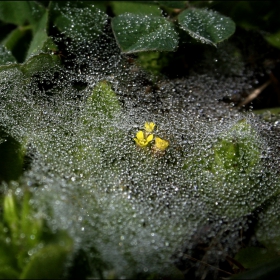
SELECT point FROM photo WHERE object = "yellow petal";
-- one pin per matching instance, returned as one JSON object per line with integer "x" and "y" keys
{"x": 149, "y": 126}
{"x": 141, "y": 143}
{"x": 150, "y": 138}
{"x": 141, "y": 140}
{"x": 140, "y": 135}
{"x": 137, "y": 141}
{"x": 161, "y": 144}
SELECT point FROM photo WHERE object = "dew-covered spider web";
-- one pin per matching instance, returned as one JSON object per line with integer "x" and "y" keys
{"x": 129, "y": 209}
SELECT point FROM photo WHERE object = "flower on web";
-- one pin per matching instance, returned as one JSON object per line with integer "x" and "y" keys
{"x": 149, "y": 127}
{"x": 161, "y": 144}
{"x": 141, "y": 139}
{"x": 145, "y": 137}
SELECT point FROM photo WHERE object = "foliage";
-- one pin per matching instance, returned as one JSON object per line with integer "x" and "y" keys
{"x": 235, "y": 159}
{"x": 136, "y": 26}
{"x": 29, "y": 249}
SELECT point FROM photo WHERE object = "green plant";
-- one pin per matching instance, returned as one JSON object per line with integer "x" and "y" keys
{"x": 28, "y": 247}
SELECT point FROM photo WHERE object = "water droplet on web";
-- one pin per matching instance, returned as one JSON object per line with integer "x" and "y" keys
{"x": 121, "y": 200}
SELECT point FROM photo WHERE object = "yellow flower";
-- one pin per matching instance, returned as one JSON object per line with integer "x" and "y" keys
{"x": 161, "y": 144}
{"x": 141, "y": 140}
{"x": 149, "y": 127}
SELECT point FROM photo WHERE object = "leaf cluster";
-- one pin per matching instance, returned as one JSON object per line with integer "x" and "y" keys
{"x": 137, "y": 26}
{"x": 29, "y": 249}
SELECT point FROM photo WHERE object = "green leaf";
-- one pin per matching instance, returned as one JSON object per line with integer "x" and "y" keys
{"x": 12, "y": 39}
{"x": 39, "y": 63}
{"x": 6, "y": 56}
{"x": 5, "y": 28}
{"x": 37, "y": 12}
{"x": 267, "y": 230}
{"x": 152, "y": 62}
{"x": 137, "y": 33}
{"x": 101, "y": 5}
{"x": 271, "y": 110}
{"x": 21, "y": 12}
{"x": 173, "y": 4}
{"x": 48, "y": 263}
{"x": 121, "y": 7}
{"x": 268, "y": 270}
{"x": 96, "y": 119}
{"x": 230, "y": 178}
{"x": 49, "y": 45}
{"x": 18, "y": 110}
{"x": 251, "y": 257}
{"x": 18, "y": 42}
{"x": 269, "y": 114}
{"x": 7, "y": 255}
{"x": 31, "y": 226}
{"x": 232, "y": 153}
{"x": 11, "y": 158}
{"x": 103, "y": 100}
{"x": 101, "y": 107}
{"x": 7, "y": 272}
{"x": 40, "y": 37}
{"x": 273, "y": 39}
{"x": 206, "y": 26}
{"x": 16, "y": 12}
{"x": 11, "y": 215}
{"x": 80, "y": 21}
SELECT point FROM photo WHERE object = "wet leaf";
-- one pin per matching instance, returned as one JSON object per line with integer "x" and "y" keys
{"x": 37, "y": 12}
{"x": 236, "y": 153}
{"x": 11, "y": 215}
{"x": 18, "y": 42}
{"x": 267, "y": 230}
{"x": 21, "y": 12}
{"x": 121, "y": 7}
{"x": 268, "y": 270}
{"x": 152, "y": 62}
{"x": 6, "y": 56}
{"x": 16, "y": 12}
{"x": 137, "y": 33}
{"x": 251, "y": 257}
{"x": 102, "y": 106}
{"x": 173, "y": 4}
{"x": 8, "y": 262}
{"x": 98, "y": 132}
{"x": 271, "y": 110}
{"x": 39, "y": 38}
{"x": 273, "y": 39}
{"x": 80, "y": 21}
{"x": 103, "y": 101}
{"x": 23, "y": 236}
{"x": 39, "y": 63}
{"x": 48, "y": 263}
{"x": 31, "y": 226}
{"x": 207, "y": 26}
{"x": 5, "y": 258}
{"x": 232, "y": 182}
{"x": 7, "y": 272}
{"x": 11, "y": 158}
{"x": 269, "y": 114}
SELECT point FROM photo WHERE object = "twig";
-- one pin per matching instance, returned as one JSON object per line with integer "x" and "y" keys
{"x": 235, "y": 262}
{"x": 276, "y": 84}
{"x": 254, "y": 94}
{"x": 207, "y": 264}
